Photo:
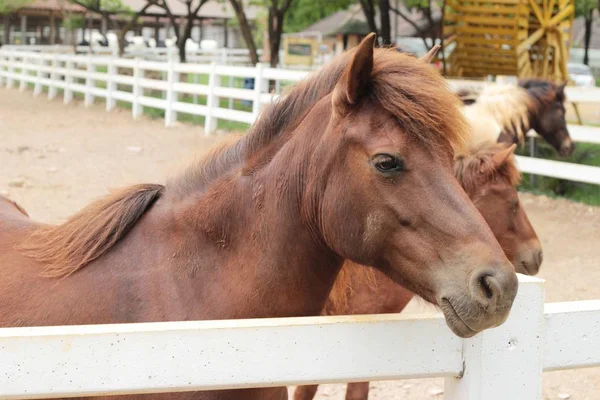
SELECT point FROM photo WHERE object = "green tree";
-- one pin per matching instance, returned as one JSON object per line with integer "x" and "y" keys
{"x": 10, "y": 5}
{"x": 304, "y": 13}
{"x": 585, "y": 9}
{"x": 276, "y": 13}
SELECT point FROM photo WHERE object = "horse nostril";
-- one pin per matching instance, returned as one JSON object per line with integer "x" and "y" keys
{"x": 538, "y": 258}
{"x": 485, "y": 287}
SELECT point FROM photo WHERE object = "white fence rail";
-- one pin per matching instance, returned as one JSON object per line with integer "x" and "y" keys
{"x": 219, "y": 96}
{"x": 498, "y": 364}
{"x": 205, "y": 56}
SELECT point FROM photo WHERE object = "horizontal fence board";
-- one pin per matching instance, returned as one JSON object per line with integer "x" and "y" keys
{"x": 189, "y": 108}
{"x": 572, "y": 337}
{"x": 579, "y": 133}
{"x": 559, "y": 169}
{"x": 192, "y": 68}
{"x": 242, "y": 72}
{"x": 152, "y": 102}
{"x": 243, "y": 94}
{"x": 153, "y": 84}
{"x": 233, "y": 115}
{"x": 183, "y": 356}
{"x": 191, "y": 88}
{"x": 123, "y": 96}
{"x": 153, "y": 66}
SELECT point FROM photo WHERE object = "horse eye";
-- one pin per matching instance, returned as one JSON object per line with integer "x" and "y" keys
{"x": 386, "y": 163}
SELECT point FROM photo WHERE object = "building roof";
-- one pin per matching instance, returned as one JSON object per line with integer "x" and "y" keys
{"x": 353, "y": 21}
{"x": 52, "y": 5}
{"x": 212, "y": 9}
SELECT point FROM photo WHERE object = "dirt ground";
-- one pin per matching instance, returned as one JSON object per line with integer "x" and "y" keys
{"x": 54, "y": 159}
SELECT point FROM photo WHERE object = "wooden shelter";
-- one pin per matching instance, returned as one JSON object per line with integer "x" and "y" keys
{"x": 524, "y": 38}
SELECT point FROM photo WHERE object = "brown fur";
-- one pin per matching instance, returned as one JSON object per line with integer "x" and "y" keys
{"x": 473, "y": 171}
{"x": 360, "y": 290}
{"x": 399, "y": 83}
{"x": 477, "y": 169}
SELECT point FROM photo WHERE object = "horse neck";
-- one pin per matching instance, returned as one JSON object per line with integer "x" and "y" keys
{"x": 251, "y": 225}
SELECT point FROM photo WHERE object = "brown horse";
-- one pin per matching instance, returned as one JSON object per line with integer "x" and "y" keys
{"x": 490, "y": 177}
{"x": 505, "y": 113}
{"x": 355, "y": 163}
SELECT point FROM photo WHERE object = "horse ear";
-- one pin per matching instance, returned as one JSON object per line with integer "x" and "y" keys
{"x": 502, "y": 156}
{"x": 428, "y": 58}
{"x": 355, "y": 80}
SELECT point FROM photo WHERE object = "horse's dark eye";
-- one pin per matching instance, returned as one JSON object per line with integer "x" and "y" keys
{"x": 387, "y": 163}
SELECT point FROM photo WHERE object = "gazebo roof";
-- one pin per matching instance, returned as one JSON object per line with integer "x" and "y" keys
{"x": 353, "y": 21}
{"x": 212, "y": 9}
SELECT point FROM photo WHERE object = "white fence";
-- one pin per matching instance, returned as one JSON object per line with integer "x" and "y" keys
{"x": 200, "y": 56}
{"x": 498, "y": 364}
{"x": 220, "y": 96}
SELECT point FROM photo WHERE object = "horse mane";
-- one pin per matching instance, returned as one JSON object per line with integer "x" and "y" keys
{"x": 407, "y": 88}
{"x": 66, "y": 248}
{"x": 404, "y": 86}
{"x": 509, "y": 105}
{"x": 351, "y": 276}
{"x": 472, "y": 171}
{"x": 477, "y": 168}
{"x": 542, "y": 91}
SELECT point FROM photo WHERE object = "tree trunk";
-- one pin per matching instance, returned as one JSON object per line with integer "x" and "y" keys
{"x": 369, "y": 10}
{"x": 384, "y": 15}
{"x": 6, "y": 35}
{"x": 275, "y": 38}
{"x": 238, "y": 7}
{"x": 130, "y": 24}
{"x": 186, "y": 34}
{"x": 588, "y": 35}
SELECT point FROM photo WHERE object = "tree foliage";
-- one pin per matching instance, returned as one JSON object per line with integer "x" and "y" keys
{"x": 304, "y": 13}
{"x": 10, "y": 5}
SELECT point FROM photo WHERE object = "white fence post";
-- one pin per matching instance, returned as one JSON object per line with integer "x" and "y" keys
{"x": 89, "y": 83}
{"x": 24, "y": 70}
{"x": 53, "y": 87}
{"x": 506, "y": 362}
{"x": 172, "y": 79}
{"x": 69, "y": 67}
{"x": 212, "y": 101}
{"x": 136, "y": 107}
{"x": 37, "y": 88}
{"x": 10, "y": 81}
{"x": 258, "y": 90}
{"x": 111, "y": 85}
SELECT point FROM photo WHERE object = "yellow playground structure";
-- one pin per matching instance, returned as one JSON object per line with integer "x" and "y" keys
{"x": 524, "y": 38}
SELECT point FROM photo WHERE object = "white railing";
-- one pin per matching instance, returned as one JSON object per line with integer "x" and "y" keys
{"x": 103, "y": 77}
{"x": 497, "y": 364}
{"x": 206, "y": 56}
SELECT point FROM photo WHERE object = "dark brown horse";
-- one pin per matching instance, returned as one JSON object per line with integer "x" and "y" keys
{"x": 490, "y": 177}
{"x": 505, "y": 113}
{"x": 355, "y": 163}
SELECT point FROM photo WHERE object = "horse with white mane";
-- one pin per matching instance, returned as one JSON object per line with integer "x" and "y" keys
{"x": 505, "y": 113}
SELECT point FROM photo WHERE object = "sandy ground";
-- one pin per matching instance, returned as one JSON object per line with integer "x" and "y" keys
{"x": 54, "y": 159}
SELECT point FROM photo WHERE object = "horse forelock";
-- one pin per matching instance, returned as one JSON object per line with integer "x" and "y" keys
{"x": 477, "y": 168}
